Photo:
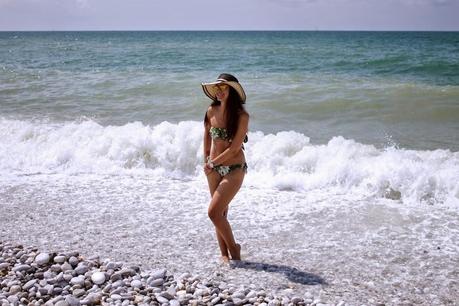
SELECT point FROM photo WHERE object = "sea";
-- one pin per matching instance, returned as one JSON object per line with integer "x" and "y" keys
{"x": 364, "y": 115}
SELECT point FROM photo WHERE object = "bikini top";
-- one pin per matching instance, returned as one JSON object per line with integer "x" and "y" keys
{"x": 221, "y": 133}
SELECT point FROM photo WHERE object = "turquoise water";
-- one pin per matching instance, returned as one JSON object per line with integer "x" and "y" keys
{"x": 380, "y": 88}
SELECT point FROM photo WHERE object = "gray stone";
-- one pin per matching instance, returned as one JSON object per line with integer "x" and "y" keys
{"x": 161, "y": 299}
{"x": 118, "y": 290}
{"x": 171, "y": 290}
{"x": 4, "y": 266}
{"x": 15, "y": 289}
{"x": 13, "y": 299}
{"x": 29, "y": 284}
{"x": 62, "y": 303}
{"x": 158, "y": 274}
{"x": 59, "y": 259}
{"x": 48, "y": 274}
{"x": 93, "y": 298}
{"x": 117, "y": 284}
{"x": 78, "y": 280}
{"x": 215, "y": 300}
{"x": 57, "y": 290}
{"x": 115, "y": 296}
{"x": 56, "y": 268}
{"x": 185, "y": 276}
{"x": 251, "y": 294}
{"x": 113, "y": 266}
{"x": 296, "y": 300}
{"x": 238, "y": 295}
{"x": 72, "y": 301}
{"x": 107, "y": 287}
{"x": 49, "y": 289}
{"x": 73, "y": 261}
{"x": 116, "y": 276}
{"x": 174, "y": 303}
{"x": 81, "y": 269}
{"x": 156, "y": 282}
{"x": 79, "y": 292}
{"x": 167, "y": 295}
{"x": 136, "y": 284}
{"x": 66, "y": 266}
{"x": 20, "y": 268}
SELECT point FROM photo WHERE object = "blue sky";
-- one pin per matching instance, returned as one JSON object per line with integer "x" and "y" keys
{"x": 433, "y": 15}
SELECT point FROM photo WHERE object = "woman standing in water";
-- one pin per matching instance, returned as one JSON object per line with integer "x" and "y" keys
{"x": 225, "y": 129}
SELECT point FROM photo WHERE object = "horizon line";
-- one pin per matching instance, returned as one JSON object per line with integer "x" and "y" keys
{"x": 226, "y": 30}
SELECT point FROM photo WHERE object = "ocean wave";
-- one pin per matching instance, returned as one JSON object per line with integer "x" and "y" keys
{"x": 286, "y": 160}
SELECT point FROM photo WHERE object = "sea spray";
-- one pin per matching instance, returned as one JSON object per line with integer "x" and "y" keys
{"x": 285, "y": 161}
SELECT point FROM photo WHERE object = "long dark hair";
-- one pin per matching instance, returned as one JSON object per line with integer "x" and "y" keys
{"x": 234, "y": 107}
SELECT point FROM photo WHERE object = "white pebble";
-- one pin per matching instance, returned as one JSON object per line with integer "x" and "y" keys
{"x": 98, "y": 278}
{"x": 42, "y": 258}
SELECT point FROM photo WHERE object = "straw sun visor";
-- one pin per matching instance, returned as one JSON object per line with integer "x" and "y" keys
{"x": 210, "y": 89}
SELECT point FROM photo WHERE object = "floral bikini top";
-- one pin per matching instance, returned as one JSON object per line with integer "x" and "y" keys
{"x": 222, "y": 133}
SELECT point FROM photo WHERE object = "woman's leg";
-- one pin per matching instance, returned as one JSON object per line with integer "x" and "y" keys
{"x": 213, "y": 179}
{"x": 225, "y": 192}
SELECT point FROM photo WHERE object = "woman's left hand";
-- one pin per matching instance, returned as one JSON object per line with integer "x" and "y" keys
{"x": 207, "y": 169}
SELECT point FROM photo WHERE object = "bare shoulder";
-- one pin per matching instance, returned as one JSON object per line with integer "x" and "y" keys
{"x": 210, "y": 110}
{"x": 244, "y": 116}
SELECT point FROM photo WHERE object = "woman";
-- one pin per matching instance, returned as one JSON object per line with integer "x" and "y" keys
{"x": 226, "y": 125}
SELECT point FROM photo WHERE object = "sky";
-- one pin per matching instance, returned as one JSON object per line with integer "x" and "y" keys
{"x": 372, "y": 15}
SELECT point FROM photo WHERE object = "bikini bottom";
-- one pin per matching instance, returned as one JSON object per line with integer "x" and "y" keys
{"x": 224, "y": 170}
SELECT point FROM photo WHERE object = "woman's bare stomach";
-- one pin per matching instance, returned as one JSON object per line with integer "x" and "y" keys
{"x": 219, "y": 147}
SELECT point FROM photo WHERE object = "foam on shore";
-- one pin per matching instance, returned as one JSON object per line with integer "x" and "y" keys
{"x": 283, "y": 161}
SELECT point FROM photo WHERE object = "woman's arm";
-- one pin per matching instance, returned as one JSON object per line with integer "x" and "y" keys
{"x": 207, "y": 139}
{"x": 237, "y": 141}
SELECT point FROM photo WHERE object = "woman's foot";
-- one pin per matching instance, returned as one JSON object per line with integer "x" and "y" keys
{"x": 237, "y": 255}
{"x": 225, "y": 258}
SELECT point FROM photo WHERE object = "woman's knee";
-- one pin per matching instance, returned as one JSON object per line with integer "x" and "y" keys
{"x": 215, "y": 214}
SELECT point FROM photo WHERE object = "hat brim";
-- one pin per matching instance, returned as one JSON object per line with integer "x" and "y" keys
{"x": 210, "y": 89}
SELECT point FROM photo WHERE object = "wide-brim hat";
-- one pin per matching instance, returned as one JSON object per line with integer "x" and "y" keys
{"x": 210, "y": 89}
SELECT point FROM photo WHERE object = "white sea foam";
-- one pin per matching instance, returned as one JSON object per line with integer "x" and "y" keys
{"x": 284, "y": 161}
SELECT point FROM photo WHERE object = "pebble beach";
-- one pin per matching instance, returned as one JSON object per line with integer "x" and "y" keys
{"x": 133, "y": 251}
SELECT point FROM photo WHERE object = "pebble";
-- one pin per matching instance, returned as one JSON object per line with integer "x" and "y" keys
{"x": 73, "y": 261}
{"x": 158, "y": 274}
{"x": 81, "y": 269}
{"x": 59, "y": 259}
{"x": 66, "y": 266}
{"x": 29, "y": 284}
{"x": 161, "y": 299}
{"x": 72, "y": 301}
{"x": 49, "y": 280}
{"x": 136, "y": 284}
{"x": 79, "y": 292}
{"x": 20, "y": 268}
{"x": 157, "y": 282}
{"x": 42, "y": 258}
{"x": 174, "y": 303}
{"x": 98, "y": 278}
{"x": 78, "y": 280}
